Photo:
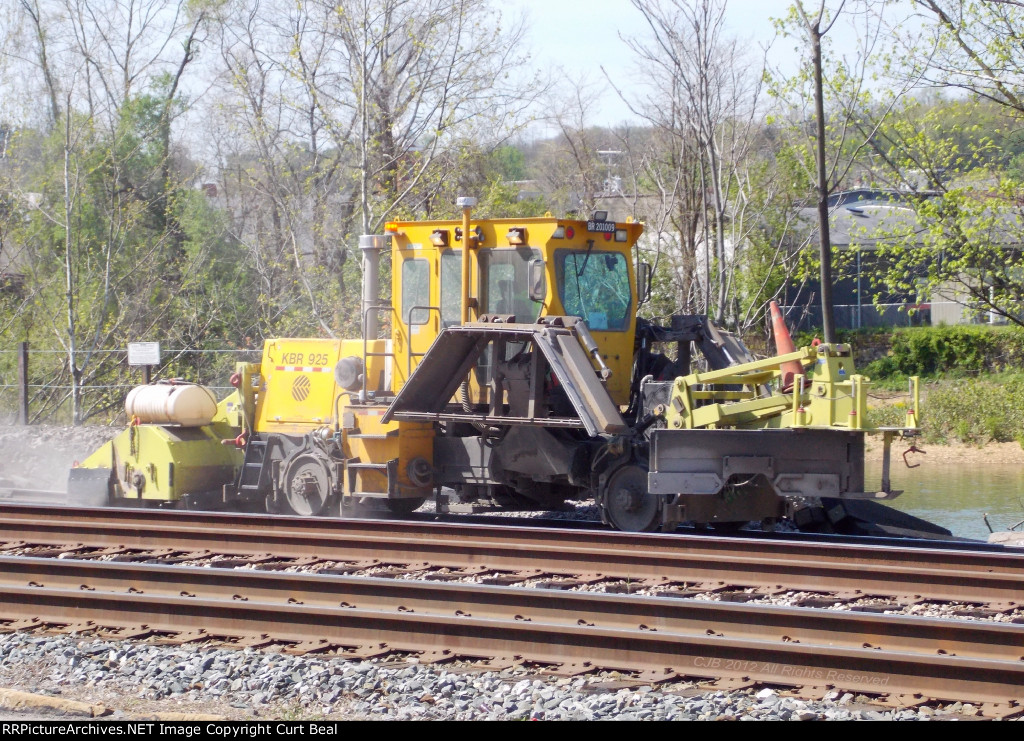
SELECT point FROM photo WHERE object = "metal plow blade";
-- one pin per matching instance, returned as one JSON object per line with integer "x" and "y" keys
{"x": 457, "y": 350}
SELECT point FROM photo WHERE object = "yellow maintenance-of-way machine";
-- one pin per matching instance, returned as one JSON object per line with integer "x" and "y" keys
{"x": 517, "y": 375}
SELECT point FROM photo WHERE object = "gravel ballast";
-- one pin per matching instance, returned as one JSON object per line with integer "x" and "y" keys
{"x": 132, "y": 678}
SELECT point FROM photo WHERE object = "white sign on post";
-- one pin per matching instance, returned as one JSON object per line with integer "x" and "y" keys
{"x": 143, "y": 353}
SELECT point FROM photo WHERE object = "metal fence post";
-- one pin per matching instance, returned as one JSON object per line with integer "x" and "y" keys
{"x": 23, "y": 383}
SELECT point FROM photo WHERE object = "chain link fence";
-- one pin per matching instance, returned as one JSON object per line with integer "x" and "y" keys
{"x": 106, "y": 380}
{"x": 862, "y": 316}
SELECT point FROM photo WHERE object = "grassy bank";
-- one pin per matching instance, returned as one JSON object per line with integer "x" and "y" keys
{"x": 975, "y": 411}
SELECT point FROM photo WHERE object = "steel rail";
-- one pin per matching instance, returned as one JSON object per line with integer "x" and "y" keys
{"x": 661, "y": 637}
{"x": 35, "y": 497}
{"x": 914, "y": 573}
{"x": 841, "y": 628}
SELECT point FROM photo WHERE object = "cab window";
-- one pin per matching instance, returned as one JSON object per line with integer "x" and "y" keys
{"x": 594, "y": 285}
{"x": 505, "y": 280}
{"x": 506, "y": 283}
{"x": 415, "y": 291}
{"x": 451, "y": 288}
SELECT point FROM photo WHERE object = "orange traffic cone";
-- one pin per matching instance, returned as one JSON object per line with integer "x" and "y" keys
{"x": 783, "y": 346}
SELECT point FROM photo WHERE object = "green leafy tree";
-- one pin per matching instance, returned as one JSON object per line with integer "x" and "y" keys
{"x": 958, "y": 160}
{"x": 509, "y": 162}
{"x": 962, "y": 242}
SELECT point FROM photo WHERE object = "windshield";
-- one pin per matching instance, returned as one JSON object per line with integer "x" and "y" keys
{"x": 595, "y": 285}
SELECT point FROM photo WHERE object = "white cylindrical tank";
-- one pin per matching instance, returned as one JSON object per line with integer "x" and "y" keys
{"x": 184, "y": 404}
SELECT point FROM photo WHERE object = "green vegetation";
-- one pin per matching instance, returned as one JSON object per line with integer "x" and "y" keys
{"x": 949, "y": 352}
{"x": 212, "y": 219}
{"x": 972, "y": 382}
{"x": 976, "y": 410}
{"x": 973, "y": 411}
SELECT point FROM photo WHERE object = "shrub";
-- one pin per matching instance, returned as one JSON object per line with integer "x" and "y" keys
{"x": 957, "y": 351}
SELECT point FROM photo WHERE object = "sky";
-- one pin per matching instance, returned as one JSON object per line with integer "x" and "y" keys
{"x": 579, "y": 36}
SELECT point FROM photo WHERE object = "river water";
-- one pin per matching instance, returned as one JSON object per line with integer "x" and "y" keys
{"x": 957, "y": 497}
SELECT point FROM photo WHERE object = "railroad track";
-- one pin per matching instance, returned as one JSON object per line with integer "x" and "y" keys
{"x": 101, "y": 582}
{"x": 836, "y": 572}
{"x": 662, "y": 639}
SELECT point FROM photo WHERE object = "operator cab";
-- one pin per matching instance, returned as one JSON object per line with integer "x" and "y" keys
{"x": 526, "y": 268}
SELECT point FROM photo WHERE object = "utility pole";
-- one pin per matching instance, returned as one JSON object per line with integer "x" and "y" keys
{"x": 815, "y": 35}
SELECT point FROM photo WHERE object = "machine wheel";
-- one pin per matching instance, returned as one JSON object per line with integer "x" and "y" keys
{"x": 404, "y": 506}
{"x": 627, "y": 503}
{"x": 306, "y": 485}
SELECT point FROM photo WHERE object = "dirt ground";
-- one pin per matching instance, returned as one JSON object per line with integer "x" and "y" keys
{"x": 956, "y": 454}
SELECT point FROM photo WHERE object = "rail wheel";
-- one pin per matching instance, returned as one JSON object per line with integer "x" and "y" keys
{"x": 306, "y": 484}
{"x": 627, "y": 503}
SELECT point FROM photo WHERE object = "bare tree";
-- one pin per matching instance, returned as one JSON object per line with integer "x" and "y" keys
{"x": 667, "y": 168}
{"x": 569, "y": 166}
{"x": 354, "y": 113}
{"x": 703, "y": 100}
{"x": 816, "y": 27}
{"x": 101, "y": 209}
{"x": 33, "y": 14}
{"x": 423, "y": 76}
{"x": 277, "y": 167}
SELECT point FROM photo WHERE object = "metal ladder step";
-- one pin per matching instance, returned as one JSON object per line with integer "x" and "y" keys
{"x": 252, "y": 466}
